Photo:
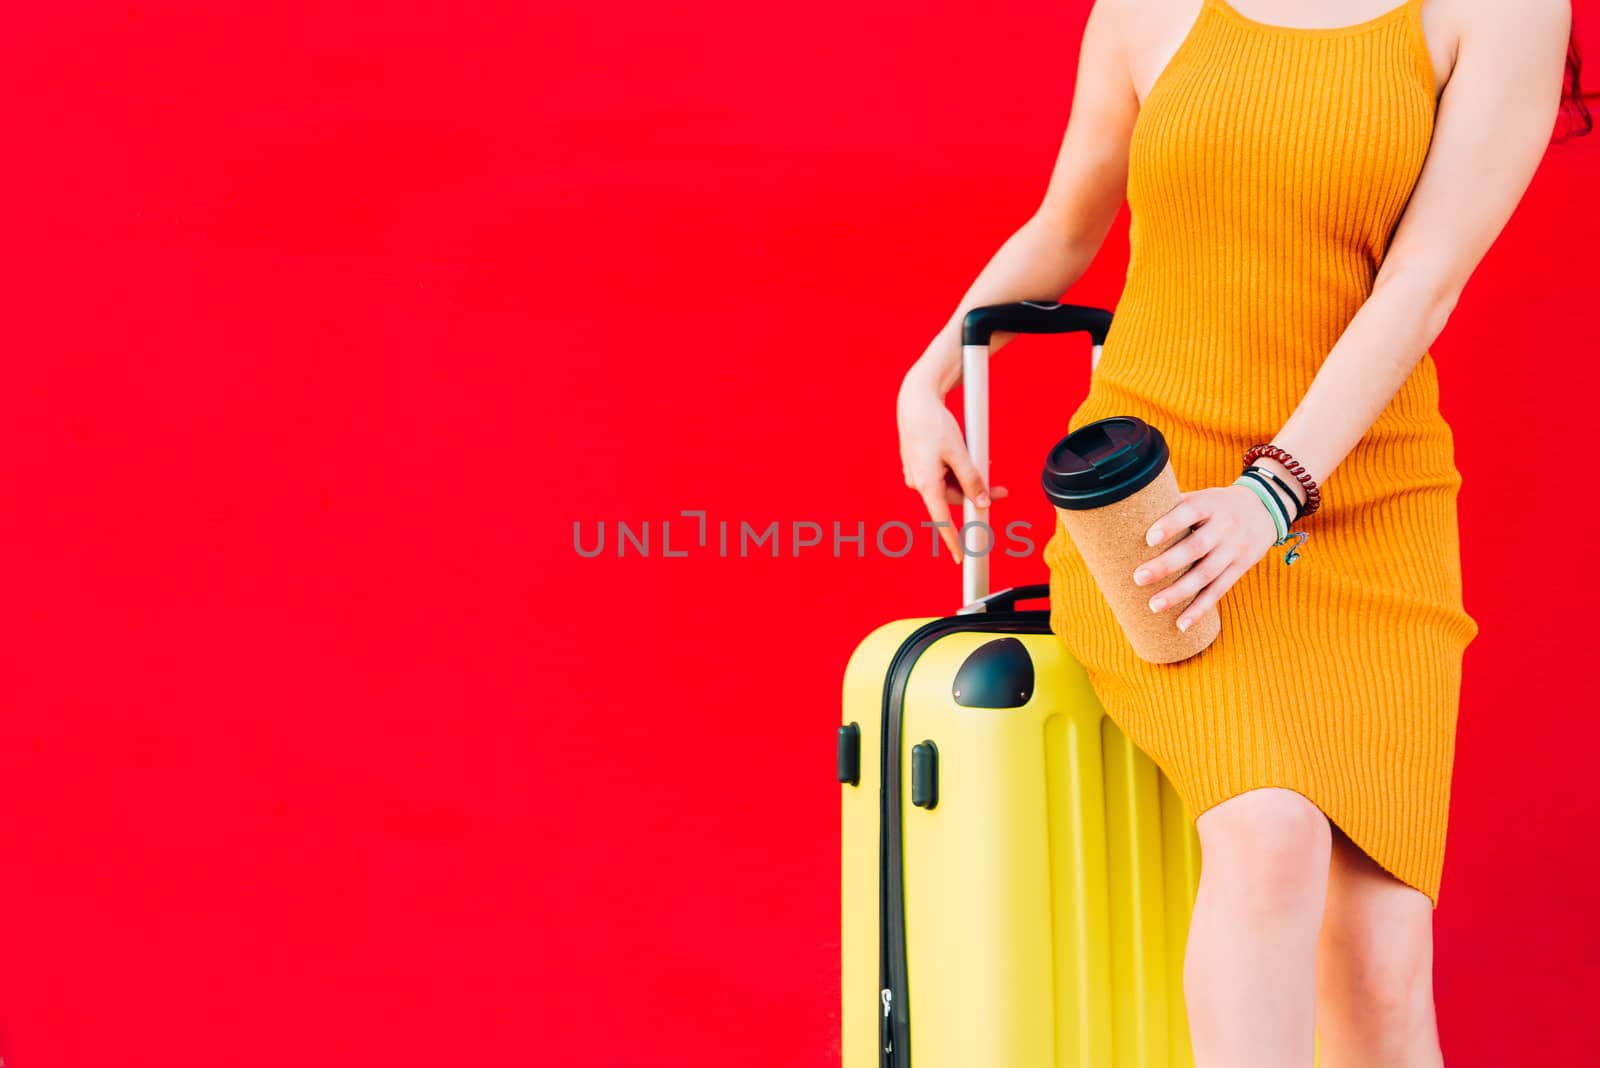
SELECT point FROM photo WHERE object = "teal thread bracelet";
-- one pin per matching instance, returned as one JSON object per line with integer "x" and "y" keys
{"x": 1267, "y": 503}
{"x": 1254, "y": 475}
{"x": 1278, "y": 524}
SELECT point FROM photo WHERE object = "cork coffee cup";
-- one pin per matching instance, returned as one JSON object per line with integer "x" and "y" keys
{"x": 1110, "y": 480}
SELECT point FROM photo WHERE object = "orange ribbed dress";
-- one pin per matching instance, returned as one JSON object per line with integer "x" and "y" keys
{"x": 1268, "y": 168}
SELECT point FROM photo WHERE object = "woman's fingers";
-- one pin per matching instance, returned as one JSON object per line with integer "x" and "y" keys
{"x": 1211, "y": 594}
{"x": 1217, "y": 550}
{"x": 967, "y": 475}
{"x": 1193, "y": 581}
{"x": 1189, "y": 549}
{"x": 1191, "y": 509}
{"x": 954, "y": 495}
{"x": 939, "y": 505}
{"x": 933, "y": 495}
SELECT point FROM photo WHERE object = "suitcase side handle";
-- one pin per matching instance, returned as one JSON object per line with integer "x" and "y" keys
{"x": 978, "y": 328}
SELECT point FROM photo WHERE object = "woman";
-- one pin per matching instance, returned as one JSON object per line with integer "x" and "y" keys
{"x": 1309, "y": 196}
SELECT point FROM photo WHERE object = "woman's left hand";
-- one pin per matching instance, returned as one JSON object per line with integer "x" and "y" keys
{"x": 1232, "y": 531}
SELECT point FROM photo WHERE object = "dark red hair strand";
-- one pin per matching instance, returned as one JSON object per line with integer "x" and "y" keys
{"x": 1572, "y": 101}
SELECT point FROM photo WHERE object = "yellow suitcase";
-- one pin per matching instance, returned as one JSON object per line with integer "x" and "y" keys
{"x": 1017, "y": 876}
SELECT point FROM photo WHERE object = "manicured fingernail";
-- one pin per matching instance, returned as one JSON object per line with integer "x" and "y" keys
{"x": 1154, "y": 537}
{"x": 1140, "y": 577}
{"x": 1183, "y": 624}
{"x": 1158, "y": 604}
{"x": 983, "y": 500}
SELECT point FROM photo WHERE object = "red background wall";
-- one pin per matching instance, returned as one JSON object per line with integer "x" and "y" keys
{"x": 326, "y": 322}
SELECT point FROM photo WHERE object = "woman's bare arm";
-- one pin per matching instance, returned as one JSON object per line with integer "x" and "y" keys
{"x": 1495, "y": 120}
{"x": 1039, "y": 261}
{"x": 1087, "y": 186}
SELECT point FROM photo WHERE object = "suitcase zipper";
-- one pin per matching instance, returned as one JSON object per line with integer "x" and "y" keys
{"x": 896, "y": 1021}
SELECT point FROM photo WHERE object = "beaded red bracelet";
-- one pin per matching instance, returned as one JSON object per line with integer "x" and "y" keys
{"x": 1313, "y": 493}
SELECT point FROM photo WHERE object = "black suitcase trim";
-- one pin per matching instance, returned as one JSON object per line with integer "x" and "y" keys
{"x": 894, "y": 1049}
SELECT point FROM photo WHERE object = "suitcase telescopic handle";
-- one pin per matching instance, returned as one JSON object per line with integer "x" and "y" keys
{"x": 978, "y": 328}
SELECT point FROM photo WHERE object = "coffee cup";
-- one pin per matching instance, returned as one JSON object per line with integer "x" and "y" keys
{"x": 1110, "y": 480}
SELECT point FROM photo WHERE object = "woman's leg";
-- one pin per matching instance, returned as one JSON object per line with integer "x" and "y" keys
{"x": 1375, "y": 968}
{"x": 1249, "y": 970}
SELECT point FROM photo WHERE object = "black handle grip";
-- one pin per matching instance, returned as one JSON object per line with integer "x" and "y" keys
{"x": 1006, "y": 600}
{"x": 1033, "y": 317}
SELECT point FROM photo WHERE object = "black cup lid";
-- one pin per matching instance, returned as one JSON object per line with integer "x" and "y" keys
{"x": 1103, "y": 462}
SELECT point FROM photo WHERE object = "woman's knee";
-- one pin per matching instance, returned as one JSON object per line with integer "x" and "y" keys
{"x": 1375, "y": 1005}
{"x": 1270, "y": 847}
{"x": 1375, "y": 963}
{"x": 1389, "y": 983}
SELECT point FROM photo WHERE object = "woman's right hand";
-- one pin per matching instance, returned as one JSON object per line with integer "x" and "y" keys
{"x": 934, "y": 458}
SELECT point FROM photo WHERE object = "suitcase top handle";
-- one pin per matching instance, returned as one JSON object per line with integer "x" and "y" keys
{"x": 1006, "y": 600}
{"x": 1033, "y": 317}
{"x": 978, "y": 328}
